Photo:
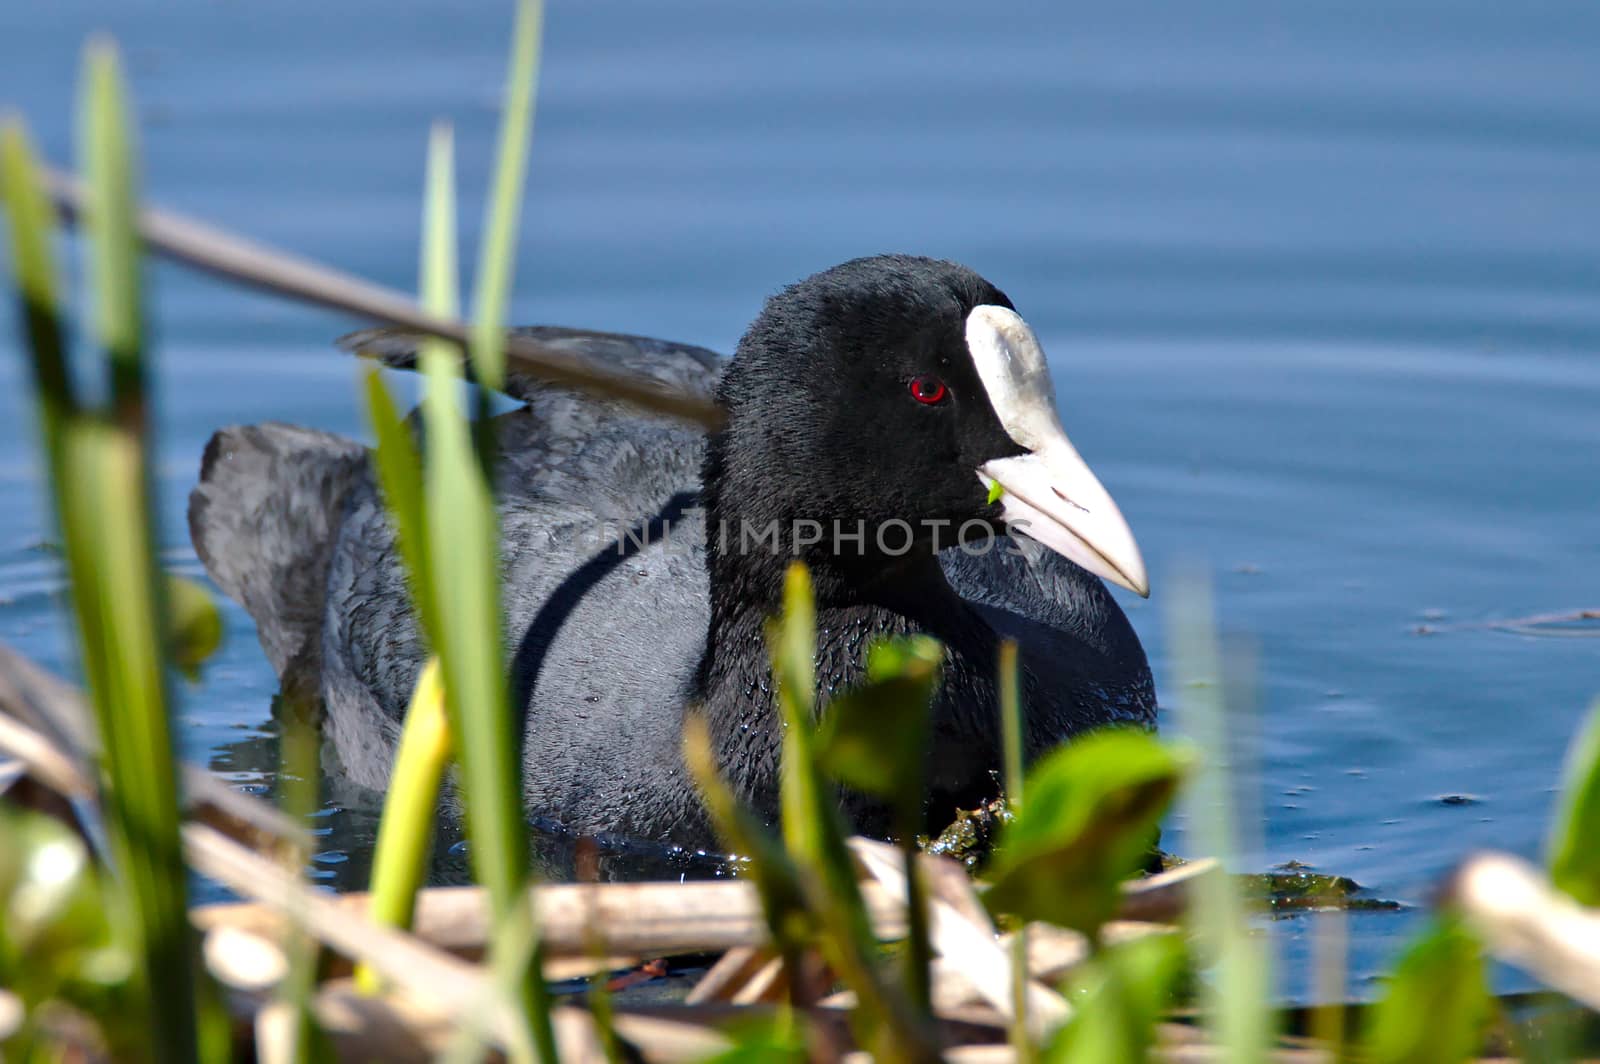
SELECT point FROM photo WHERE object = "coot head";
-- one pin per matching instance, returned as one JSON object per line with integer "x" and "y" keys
{"x": 885, "y": 409}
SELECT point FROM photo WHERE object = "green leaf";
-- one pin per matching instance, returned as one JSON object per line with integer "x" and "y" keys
{"x": 405, "y": 833}
{"x": 400, "y": 476}
{"x": 194, "y": 624}
{"x": 814, "y": 835}
{"x": 765, "y": 1041}
{"x": 996, "y": 491}
{"x": 776, "y": 878}
{"x": 1117, "y": 998}
{"x": 465, "y": 593}
{"x": 108, "y": 529}
{"x": 874, "y": 736}
{"x": 1092, "y": 812}
{"x": 116, "y": 278}
{"x": 794, "y": 648}
{"x": 1574, "y": 857}
{"x": 51, "y": 903}
{"x": 33, "y": 263}
{"x": 500, "y": 222}
{"x": 1235, "y": 998}
{"x": 1436, "y": 1003}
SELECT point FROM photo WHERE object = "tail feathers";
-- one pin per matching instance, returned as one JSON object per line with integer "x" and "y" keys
{"x": 264, "y": 519}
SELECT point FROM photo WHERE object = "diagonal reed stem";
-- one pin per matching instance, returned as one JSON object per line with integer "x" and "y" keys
{"x": 255, "y": 265}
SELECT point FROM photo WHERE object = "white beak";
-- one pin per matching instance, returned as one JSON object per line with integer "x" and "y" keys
{"x": 1049, "y": 494}
{"x": 1054, "y": 498}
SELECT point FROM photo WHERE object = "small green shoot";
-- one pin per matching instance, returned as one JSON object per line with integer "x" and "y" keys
{"x": 405, "y": 833}
{"x": 1012, "y": 729}
{"x": 498, "y": 256}
{"x": 1437, "y": 1003}
{"x": 814, "y": 834}
{"x": 194, "y": 625}
{"x": 1574, "y": 856}
{"x": 874, "y": 738}
{"x": 1118, "y": 998}
{"x": 1236, "y": 1000}
{"x": 465, "y": 592}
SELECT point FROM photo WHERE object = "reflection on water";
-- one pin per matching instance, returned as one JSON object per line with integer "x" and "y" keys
{"x": 1320, "y": 284}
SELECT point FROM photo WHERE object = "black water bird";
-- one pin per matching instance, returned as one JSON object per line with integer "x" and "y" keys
{"x": 890, "y": 421}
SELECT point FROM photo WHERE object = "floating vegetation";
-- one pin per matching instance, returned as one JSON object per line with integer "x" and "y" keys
{"x": 1289, "y": 890}
{"x": 971, "y": 836}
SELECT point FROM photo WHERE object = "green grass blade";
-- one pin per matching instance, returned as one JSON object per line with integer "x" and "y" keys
{"x": 114, "y": 271}
{"x": 1574, "y": 857}
{"x": 466, "y": 594}
{"x": 400, "y": 476}
{"x": 300, "y": 796}
{"x": 1092, "y": 813}
{"x": 405, "y": 833}
{"x": 776, "y": 878}
{"x": 813, "y": 832}
{"x": 105, "y": 522}
{"x": 1236, "y": 1000}
{"x": 1013, "y": 781}
{"x": 1436, "y": 1005}
{"x": 498, "y": 258}
{"x": 794, "y": 650}
{"x": 32, "y": 222}
{"x": 111, "y": 523}
{"x": 1118, "y": 997}
{"x": 1011, "y": 728}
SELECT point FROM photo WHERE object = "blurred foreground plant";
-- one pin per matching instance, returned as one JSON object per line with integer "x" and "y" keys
{"x": 98, "y": 459}
{"x": 105, "y": 951}
{"x": 456, "y": 592}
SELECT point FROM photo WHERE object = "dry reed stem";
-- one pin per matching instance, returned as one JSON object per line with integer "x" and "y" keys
{"x": 435, "y": 991}
{"x": 731, "y": 971}
{"x": 45, "y": 723}
{"x": 255, "y": 265}
{"x": 635, "y": 919}
{"x": 1525, "y": 921}
{"x": 957, "y": 933}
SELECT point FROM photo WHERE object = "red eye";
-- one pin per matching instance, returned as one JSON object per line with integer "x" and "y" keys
{"x": 928, "y": 389}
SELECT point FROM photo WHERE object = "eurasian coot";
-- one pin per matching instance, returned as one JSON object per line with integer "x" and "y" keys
{"x": 871, "y": 410}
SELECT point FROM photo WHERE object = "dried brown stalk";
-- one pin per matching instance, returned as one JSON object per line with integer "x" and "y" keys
{"x": 254, "y": 265}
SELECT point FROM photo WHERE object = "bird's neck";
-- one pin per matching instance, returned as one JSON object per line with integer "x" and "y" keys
{"x": 856, "y": 604}
{"x": 862, "y": 594}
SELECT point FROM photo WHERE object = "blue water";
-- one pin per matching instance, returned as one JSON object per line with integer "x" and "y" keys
{"x": 1320, "y": 283}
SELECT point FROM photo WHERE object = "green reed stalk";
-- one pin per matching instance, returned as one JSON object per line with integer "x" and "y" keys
{"x": 814, "y": 836}
{"x": 486, "y": 750}
{"x": 1012, "y": 761}
{"x": 300, "y": 786}
{"x": 1236, "y": 1001}
{"x": 465, "y": 592}
{"x": 405, "y": 832}
{"x": 100, "y": 481}
{"x": 456, "y": 592}
{"x": 498, "y": 256}
{"x": 113, "y": 520}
